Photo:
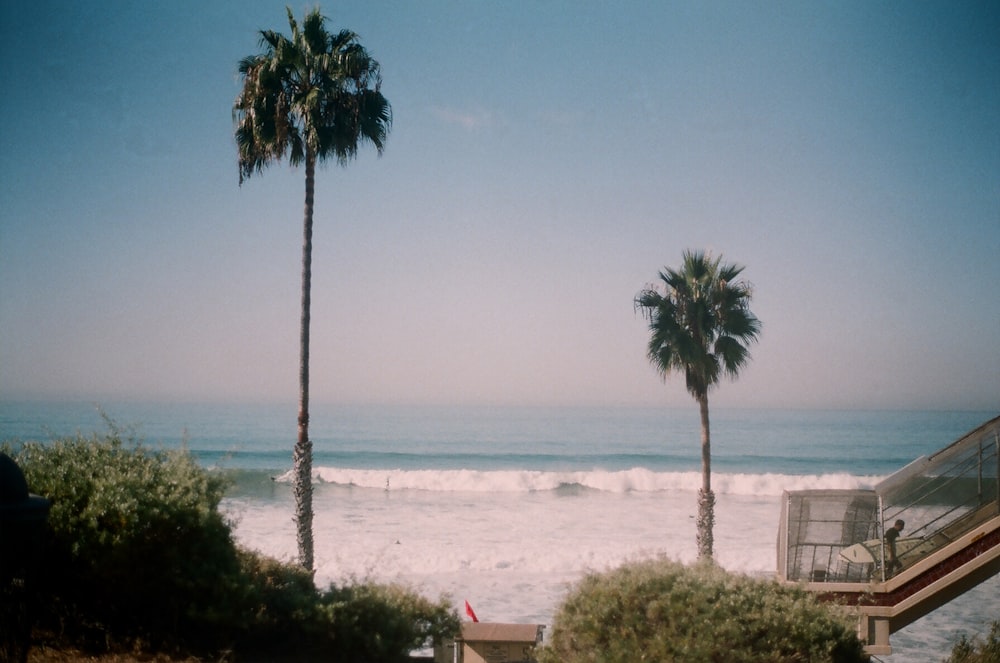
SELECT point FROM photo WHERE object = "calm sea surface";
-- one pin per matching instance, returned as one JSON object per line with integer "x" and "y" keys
{"x": 506, "y": 507}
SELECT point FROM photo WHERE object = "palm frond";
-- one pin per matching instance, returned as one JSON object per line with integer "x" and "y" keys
{"x": 700, "y": 322}
{"x": 314, "y": 92}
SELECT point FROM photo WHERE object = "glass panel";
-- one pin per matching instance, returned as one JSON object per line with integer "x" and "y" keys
{"x": 943, "y": 496}
{"x": 822, "y": 524}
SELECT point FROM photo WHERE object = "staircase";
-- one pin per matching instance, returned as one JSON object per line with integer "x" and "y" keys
{"x": 831, "y": 541}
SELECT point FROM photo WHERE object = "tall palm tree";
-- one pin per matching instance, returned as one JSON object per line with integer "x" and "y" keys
{"x": 312, "y": 96}
{"x": 700, "y": 325}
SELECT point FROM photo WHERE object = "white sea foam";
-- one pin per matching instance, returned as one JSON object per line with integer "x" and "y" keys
{"x": 623, "y": 481}
{"x": 514, "y": 552}
{"x": 488, "y": 544}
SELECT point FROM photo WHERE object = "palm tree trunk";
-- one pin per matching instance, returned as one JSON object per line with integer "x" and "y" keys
{"x": 706, "y": 498}
{"x": 303, "y": 446}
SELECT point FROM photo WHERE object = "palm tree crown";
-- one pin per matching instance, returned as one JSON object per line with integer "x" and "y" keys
{"x": 312, "y": 94}
{"x": 701, "y": 325}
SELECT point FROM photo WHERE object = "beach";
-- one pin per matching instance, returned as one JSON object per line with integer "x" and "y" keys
{"x": 507, "y": 507}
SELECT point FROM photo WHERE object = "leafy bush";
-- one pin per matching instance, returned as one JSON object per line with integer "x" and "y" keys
{"x": 663, "y": 611}
{"x": 402, "y": 618}
{"x": 283, "y": 615}
{"x": 976, "y": 650}
{"x": 135, "y": 539}
{"x": 137, "y": 555}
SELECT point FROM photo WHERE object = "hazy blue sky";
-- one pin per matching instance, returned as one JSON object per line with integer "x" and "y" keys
{"x": 546, "y": 160}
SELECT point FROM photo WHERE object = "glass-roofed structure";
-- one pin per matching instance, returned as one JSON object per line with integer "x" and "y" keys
{"x": 836, "y": 543}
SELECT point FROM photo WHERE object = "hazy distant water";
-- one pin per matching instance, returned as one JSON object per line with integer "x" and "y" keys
{"x": 506, "y": 507}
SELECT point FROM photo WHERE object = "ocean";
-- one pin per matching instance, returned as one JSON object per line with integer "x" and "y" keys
{"x": 506, "y": 507}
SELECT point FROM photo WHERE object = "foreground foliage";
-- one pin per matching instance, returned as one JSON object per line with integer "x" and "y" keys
{"x": 664, "y": 611}
{"x": 137, "y": 555}
{"x": 977, "y": 650}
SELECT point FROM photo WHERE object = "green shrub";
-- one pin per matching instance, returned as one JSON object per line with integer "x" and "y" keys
{"x": 664, "y": 611}
{"x": 137, "y": 555}
{"x": 405, "y": 621}
{"x": 976, "y": 650}
{"x": 135, "y": 547}
{"x": 283, "y": 614}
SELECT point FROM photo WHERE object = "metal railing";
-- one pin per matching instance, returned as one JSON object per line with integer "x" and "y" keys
{"x": 837, "y": 536}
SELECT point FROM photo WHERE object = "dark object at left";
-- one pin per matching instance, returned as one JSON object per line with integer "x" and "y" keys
{"x": 22, "y": 519}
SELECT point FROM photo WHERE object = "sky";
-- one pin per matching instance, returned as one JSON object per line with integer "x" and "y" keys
{"x": 546, "y": 160}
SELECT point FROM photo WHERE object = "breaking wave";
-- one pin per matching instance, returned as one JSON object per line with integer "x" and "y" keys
{"x": 621, "y": 481}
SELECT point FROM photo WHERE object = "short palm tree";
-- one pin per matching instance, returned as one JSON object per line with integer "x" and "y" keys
{"x": 700, "y": 325}
{"x": 312, "y": 96}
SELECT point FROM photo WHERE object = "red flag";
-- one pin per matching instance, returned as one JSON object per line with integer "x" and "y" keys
{"x": 470, "y": 612}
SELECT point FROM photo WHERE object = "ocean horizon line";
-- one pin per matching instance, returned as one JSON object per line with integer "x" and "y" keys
{"x": 101, "y": 403}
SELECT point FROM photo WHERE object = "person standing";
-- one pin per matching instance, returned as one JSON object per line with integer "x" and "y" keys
{"x": 892, "y": 563}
